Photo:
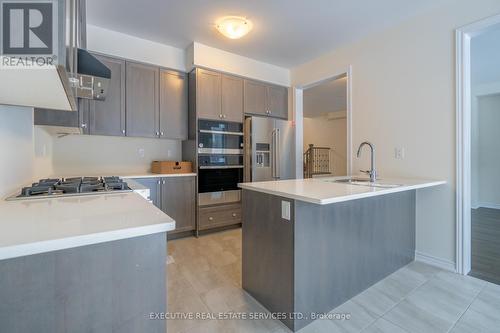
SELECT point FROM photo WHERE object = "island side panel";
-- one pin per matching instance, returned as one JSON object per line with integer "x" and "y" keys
{"x": 106, "y": 287}
{"x": 267, "y": 261}
{"x": 343, "y": 248}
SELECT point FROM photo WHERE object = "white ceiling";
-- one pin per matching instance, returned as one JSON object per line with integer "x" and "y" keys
{"x": 330, "y": 96}
{"x": 286, "y": 32}
{"x": 485, "y": 61}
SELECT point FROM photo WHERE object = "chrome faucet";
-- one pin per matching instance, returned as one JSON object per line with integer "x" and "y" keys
{"x": 372, "y": 172}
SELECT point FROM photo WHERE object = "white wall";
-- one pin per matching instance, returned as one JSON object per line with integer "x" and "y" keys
{"x": 488, "y": 154}
{"x": 479, "y": 90}
{"x": 43, "y": 153}
{"x": 122, "y": 45}
{"x": 404, "y": 96}
{"x": 485, "y": 82}
{"x": 209, "y": 57}
{"x": 134, "y": 48}
{"x": 332, "y": 133}
{"x": 94, "y": 155}
{"x": 16, "y": 145}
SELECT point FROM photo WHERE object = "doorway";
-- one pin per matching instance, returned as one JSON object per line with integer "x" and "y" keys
{"x": 478, "y": 157}
{"x": 326, "y": 118}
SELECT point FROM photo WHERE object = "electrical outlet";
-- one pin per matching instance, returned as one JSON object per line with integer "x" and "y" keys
{"x": 285, "y": 210}
{"x": 141, "y": 152}
{"x": 399, "y": 153}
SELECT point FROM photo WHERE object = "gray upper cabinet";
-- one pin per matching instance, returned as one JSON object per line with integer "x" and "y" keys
{"x": 232, "y": 98}
{"x": 173, "y": 105}
{"x": 219, "y": 96}
{"x": 255, "y": 98}
{"x": 208, "y": 94}
{"x": 108, "y": 117}
{"x": 277, "y": 101}
{"x": 265, "y": 99}
{"x": 142, "y": 102}
{"x": 178, "y": 200}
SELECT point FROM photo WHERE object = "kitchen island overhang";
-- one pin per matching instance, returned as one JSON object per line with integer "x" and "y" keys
{"x": 83, "y": 263}
{"x": 309, "y": 261}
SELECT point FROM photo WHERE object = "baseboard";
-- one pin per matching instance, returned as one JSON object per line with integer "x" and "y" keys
{"x": 487, "y": 205}
{"x": 434, "y": 261}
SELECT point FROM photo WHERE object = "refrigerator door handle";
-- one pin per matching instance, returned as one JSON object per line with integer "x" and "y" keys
{"x": 272, "y": 155}
{"x": 277, "y": 152}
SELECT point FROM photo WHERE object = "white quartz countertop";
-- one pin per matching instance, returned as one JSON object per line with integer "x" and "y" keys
{"x": 130, "y": 175}
{"x": 322, "y": 192}
{"x": 43, "y": 225}
{"x": 153, "y": 175}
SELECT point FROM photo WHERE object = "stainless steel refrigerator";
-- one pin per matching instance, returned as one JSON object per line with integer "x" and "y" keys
{"x": 268, "y": 149}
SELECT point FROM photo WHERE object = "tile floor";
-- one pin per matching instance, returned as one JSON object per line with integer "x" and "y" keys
{"x": 205, "y": 276}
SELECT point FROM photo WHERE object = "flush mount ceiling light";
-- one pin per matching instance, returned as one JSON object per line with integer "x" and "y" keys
{"x": 233, "y": 27}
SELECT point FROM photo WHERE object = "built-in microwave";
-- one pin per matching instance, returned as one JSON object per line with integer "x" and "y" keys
{"x": 220, "y": 137}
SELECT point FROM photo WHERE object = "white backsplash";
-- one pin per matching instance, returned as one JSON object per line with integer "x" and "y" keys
{"x": 16, "y": 146}
{"x": 94, "y": 155}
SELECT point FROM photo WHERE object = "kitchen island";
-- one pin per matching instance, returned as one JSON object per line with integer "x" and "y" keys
{"x": 310, "y": 245}
{"x": 94, "y": 263}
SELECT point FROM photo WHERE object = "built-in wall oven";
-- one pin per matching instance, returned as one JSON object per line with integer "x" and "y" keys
{"x": 220, "y": 162}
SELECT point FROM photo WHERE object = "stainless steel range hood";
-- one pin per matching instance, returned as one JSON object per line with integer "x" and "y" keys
{"x": 77, "y": 73}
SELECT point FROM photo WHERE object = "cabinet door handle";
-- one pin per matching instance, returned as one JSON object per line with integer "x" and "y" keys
{"x": 157, "y": 133}
{"x": 210, "y": 218}
{"x": 234, "y": 214}
{"x": 224, "y": 116}
{"x": 84, "y": 125}
{"x": 161, "y": 133}
{"x": 123, "y": 131}
{"x": 163, "y": 182}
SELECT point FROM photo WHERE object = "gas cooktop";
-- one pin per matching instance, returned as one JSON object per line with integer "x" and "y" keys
{"x": 55, "y": 187}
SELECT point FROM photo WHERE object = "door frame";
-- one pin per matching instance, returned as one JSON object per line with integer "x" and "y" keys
{"x": 463, "y": 37}
{"x": 298, "y": 102}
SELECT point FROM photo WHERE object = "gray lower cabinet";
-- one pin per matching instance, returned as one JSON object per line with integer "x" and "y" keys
{"x": 142, "y": 100}
{"x": 178, "y": 200}
{"x": 265, "y": 99}
{"x": 154, "y": 185}
{"x": 108, "y": 117}
{"x": 219, "y": 216}
{"x": 173, "y": 105}
{"x": 105, "y": 287}
{"x": 232, "y": 98}
{"x": 208, "y": 94}
{"x": 176, "y": 197}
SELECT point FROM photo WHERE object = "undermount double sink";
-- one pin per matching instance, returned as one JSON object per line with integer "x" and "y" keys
{"x": 362, "y": 182}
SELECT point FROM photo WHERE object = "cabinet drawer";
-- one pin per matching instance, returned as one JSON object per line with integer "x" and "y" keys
{"x": 212, "y": 217}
